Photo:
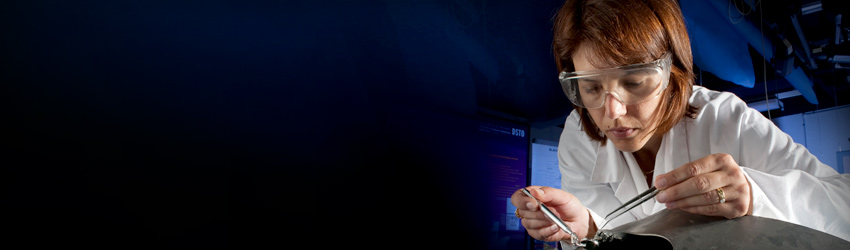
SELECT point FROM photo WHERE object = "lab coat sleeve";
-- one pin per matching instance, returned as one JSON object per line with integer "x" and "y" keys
{"x": 788, "y": 183}
{"x": 798, "y": 197}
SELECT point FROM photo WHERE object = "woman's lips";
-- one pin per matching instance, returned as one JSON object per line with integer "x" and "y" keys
{"x": 622, "y": 132}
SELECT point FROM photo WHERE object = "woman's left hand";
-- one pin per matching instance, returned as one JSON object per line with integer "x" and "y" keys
{"x": 693, "y": 187}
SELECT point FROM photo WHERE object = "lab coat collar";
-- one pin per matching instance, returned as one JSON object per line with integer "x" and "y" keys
{"x": 611, "y": 167}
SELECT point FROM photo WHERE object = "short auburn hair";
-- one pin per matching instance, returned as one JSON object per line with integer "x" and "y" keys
{"x": 622, "y": 32}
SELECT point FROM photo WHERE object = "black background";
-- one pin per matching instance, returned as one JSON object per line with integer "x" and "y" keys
{"x": 238, "y": 124}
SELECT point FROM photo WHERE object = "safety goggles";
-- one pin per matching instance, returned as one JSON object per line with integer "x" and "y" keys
{"x": 630, "y": 84}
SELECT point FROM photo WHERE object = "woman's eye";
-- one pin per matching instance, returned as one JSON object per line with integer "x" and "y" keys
{"x": 634, "y": 84}
{"x": 592, "y": 90}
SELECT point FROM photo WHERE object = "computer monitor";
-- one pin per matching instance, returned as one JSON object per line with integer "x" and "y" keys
{"x": 505, "y": 156}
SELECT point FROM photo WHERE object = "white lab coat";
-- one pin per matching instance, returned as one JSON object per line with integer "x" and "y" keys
{"x": 788, "y": 182}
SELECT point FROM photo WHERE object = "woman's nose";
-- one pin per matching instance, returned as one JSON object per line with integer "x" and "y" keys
{"x": 614, "y": 108}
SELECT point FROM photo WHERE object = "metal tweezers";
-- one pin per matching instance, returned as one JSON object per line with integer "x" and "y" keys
{"x": 634, "y": 202}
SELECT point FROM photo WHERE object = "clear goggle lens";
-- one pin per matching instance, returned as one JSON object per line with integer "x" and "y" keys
{"x": 631, "y": 84}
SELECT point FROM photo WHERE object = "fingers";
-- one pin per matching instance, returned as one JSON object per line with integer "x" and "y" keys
{"x": 543, "y": 230}
{"x": 738, "y": 202}
{"x": 540, "y": 227}
{"x": 548, "y": 195}
{"x": 526, "y": 214}
{"x": 562, "y": 204}
{"x": 552, "y": 196}
{"x": 710, "y": 197}
{"x": 696, "y": 186}
{"x": 704, "y": 165}
{"x": 549, "y": 234}
{"x": 536, "y": 224}
{"x": 530, "y": 209}
{"x": 697, "y": 177}
{"x": 523, "y": 202}
{"x": 693, "y": 187}
{"x": 733, "y": 209}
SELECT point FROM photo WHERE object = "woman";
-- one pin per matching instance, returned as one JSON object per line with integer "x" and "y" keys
{"x": 640, "y": 122}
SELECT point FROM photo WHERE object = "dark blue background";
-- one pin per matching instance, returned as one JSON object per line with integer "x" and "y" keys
{"x": 207, "y": 124}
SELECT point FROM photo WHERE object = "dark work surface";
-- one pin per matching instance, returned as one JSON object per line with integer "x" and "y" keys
{"x": 689, "y": 231}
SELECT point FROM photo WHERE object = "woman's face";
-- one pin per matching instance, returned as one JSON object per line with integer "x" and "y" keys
{"x": 628, "y": 127}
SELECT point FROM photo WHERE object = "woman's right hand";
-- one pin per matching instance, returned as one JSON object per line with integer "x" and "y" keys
{"x": 564, "y": 205}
